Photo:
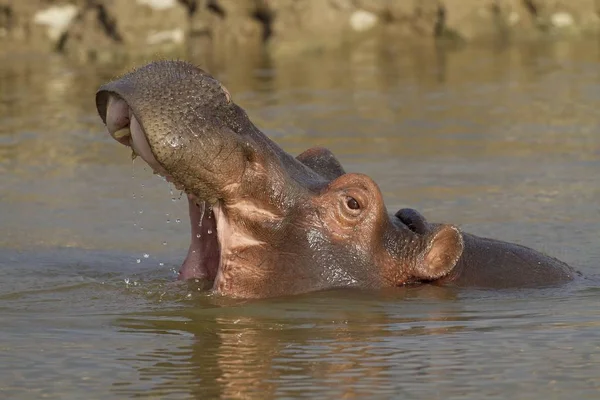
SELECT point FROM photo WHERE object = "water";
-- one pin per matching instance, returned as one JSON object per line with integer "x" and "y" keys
{"x": 503, "y": 142}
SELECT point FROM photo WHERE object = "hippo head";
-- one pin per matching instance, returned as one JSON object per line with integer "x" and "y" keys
{"x": 264, "y": 223}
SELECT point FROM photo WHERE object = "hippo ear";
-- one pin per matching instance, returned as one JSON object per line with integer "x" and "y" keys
{"x": 323, "y": 162}
{"x": 441, "y": 255}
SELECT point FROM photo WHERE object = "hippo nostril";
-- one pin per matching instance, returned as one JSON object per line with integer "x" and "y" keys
{"x": 413, "y": 220}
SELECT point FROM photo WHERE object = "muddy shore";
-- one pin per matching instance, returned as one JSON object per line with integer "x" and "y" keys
{"x": 100, "y": 29}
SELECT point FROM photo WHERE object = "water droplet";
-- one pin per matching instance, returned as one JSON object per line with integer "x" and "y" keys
{"x": 168, "y": 221}
{"x": 198, "y": 235}
{"x": 126, "y": 281}
{"x": 202, "y": 208}
{"x": 164, "y": 243}
{"x": 161, "y": 264}
{"x": 209, "y": 231}
{"x": 189, "y": 296}
{"x": 146, "y": 255}
{"x": 178, "y": 220}
{"x": 174, "y": 141}
{"x": 138, "y": 261}
{"x": 141, "y": 212}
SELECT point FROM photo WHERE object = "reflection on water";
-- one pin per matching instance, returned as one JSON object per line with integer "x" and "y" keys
{"x": 504, "y": 142}
{"x": 413, "y": 343}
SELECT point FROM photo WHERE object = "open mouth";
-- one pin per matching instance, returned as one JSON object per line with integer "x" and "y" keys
{"x": 207, "y": 220}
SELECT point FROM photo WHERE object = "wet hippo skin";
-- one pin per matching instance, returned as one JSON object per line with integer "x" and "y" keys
{"x": 264, "y": 223}
{"x": 487, "y": 262}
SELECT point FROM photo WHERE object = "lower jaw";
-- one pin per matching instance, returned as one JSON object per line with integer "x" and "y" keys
{"x": 203, "y": 258}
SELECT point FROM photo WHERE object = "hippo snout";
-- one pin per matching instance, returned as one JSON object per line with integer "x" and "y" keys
{"x": 182, "y": 122}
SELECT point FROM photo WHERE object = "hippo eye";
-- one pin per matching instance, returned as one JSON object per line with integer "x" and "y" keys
{"x": 352, "y": 203}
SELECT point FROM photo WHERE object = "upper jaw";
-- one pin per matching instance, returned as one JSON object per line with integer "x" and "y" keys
{"x": 194, "y": 149}
{"x": 203, "y": 258}
{"x": 123, "y": 125}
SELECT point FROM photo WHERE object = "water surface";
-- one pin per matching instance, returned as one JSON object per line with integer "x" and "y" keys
{"x": 503, "y": 142}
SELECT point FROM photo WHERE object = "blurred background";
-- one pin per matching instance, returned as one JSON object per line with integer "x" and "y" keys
{"x": 215, "y": 29}
{"x": 481, "y": 113}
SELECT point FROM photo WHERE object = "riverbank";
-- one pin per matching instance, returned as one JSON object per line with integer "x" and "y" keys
{"x": 91, "y": 30}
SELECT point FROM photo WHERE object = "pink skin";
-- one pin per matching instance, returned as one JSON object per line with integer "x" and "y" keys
{"x": 203, "y": 256}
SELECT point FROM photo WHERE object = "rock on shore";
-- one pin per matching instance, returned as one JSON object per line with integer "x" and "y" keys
{"x": 89, "y": 29}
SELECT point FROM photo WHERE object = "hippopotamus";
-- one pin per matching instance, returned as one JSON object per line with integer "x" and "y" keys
{"x": 265, "y": 223}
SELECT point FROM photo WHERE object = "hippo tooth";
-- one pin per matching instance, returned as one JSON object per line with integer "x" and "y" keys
{"x": 133, "y": 155}
{"x": 122, "y": 133}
